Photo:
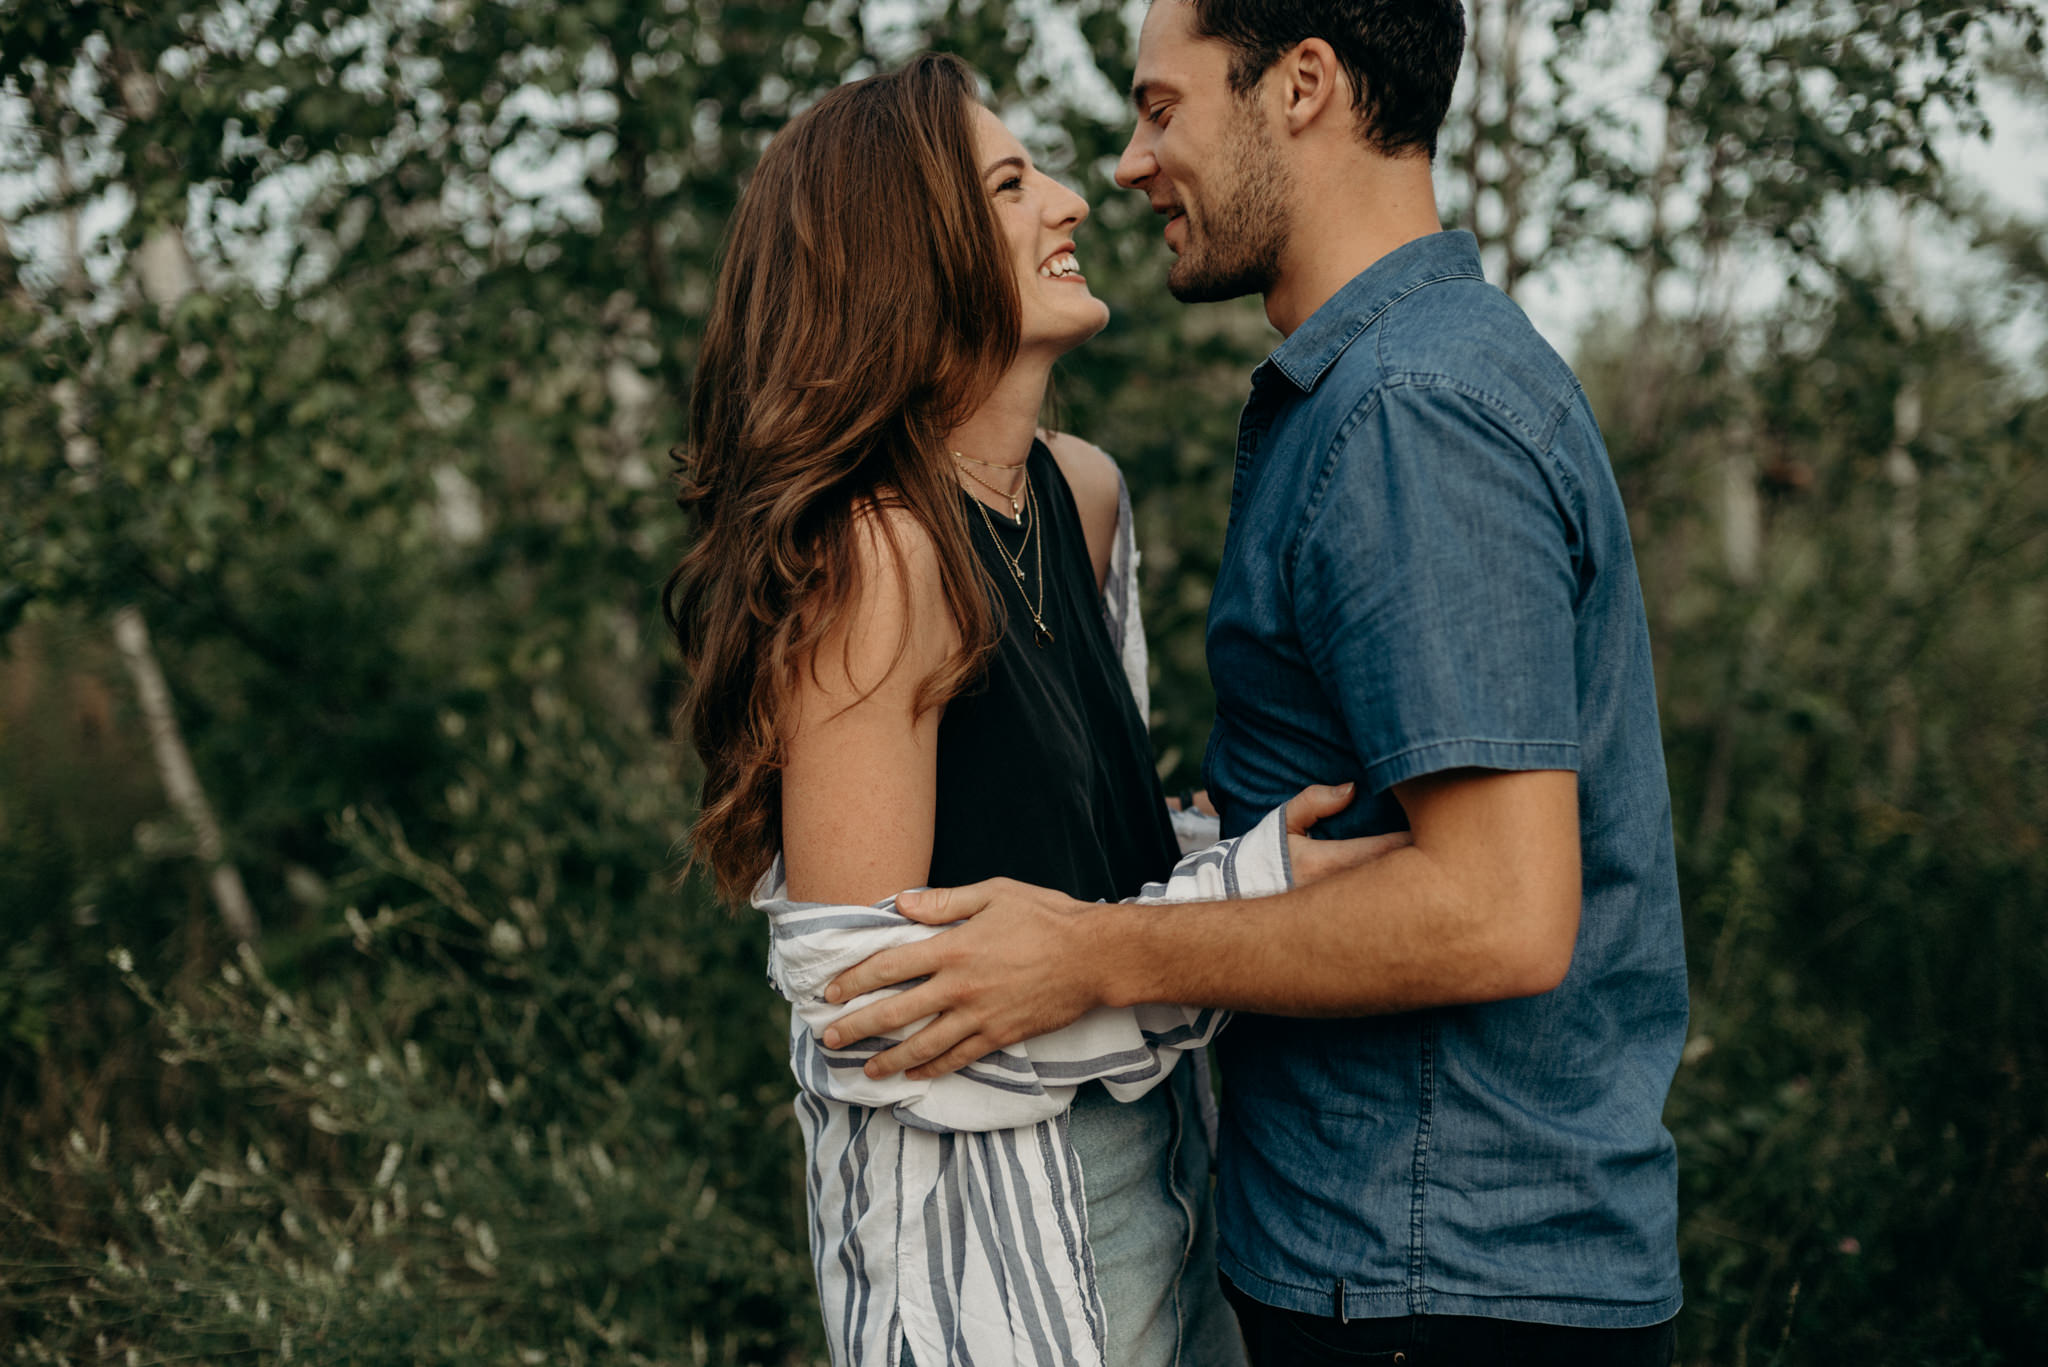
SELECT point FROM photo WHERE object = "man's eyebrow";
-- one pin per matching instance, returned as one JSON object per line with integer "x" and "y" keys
{"x": 1138, "y": 93}
{"x": 996, "y": 166}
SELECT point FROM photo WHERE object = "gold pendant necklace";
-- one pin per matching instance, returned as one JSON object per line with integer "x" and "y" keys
{"x": 1041, "y": 635}
{"x": 1016, "y": 509}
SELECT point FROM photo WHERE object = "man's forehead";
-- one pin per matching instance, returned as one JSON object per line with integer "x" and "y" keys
{"x": 1167, "y": 22}
{"x": 1166, "y": 44}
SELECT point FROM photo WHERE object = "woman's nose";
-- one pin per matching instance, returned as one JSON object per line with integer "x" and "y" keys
{"x": 1065, "y": 207}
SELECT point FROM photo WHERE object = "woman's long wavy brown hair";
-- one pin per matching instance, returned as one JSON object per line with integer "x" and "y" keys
{"x": 865, "y": 306}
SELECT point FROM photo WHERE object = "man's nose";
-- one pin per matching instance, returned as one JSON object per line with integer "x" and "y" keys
{"x": 1136, "y": 165}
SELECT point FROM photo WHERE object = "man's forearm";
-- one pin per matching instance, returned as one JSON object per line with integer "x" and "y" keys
{"x": 1396, "y": 934}
{"x": 1483, "y": 906}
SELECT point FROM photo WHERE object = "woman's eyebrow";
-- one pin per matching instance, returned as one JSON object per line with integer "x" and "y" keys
{"x": 996, "y": 166}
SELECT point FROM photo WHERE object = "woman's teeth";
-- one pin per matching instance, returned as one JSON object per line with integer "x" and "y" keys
{"x": 1063, "y": 264}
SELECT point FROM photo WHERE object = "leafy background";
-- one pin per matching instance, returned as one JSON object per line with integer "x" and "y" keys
{"x": 340, "y": 348}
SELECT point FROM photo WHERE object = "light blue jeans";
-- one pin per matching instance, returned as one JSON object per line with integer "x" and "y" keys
{"x": 1152, "y": 1227}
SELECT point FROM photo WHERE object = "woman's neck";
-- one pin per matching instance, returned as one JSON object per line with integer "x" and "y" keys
{"x": 1002, "y": 428}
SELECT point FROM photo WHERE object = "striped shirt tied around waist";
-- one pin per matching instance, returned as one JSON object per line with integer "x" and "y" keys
{"x": 949, "y": 1213}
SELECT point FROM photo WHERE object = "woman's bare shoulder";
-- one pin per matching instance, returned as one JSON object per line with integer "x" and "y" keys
{"x": 896, "y": 612}
{"x": 1093, "y": 477}
{"x": 1090, "y": 471}
{"x": 892, "y": 545}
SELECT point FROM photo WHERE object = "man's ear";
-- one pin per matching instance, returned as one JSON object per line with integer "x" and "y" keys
{"x": 1312, "y": 85}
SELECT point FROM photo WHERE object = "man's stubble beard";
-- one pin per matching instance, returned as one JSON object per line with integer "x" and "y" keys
{"x": 1246, "y": 227}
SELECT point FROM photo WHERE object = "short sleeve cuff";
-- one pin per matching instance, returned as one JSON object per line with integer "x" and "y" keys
{"x": 1433, "y": 757}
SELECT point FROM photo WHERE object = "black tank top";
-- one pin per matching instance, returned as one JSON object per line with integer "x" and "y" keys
{"x": 1045, "y": 766}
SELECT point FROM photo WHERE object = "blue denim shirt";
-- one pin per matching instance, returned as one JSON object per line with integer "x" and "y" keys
{"x": 1428, "y": 567}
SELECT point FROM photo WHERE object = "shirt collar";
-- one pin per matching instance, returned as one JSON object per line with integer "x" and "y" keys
{"x": 1321, "y": 339}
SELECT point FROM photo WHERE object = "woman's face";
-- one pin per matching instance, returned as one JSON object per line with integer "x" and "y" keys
{"x": 1037, "y": 216}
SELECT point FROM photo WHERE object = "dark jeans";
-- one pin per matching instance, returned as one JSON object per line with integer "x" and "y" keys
{"x": 1288, "y": 1338}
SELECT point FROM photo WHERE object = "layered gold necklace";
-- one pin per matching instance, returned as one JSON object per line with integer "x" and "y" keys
{"x": 1025, "y": 512}
{"x": 1016, "y": 509}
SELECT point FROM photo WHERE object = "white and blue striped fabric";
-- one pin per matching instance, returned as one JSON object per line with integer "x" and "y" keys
{"x": 949, "y": 1216}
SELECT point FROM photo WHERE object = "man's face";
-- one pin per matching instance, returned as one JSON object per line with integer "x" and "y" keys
{"x": 1206, "y": 159}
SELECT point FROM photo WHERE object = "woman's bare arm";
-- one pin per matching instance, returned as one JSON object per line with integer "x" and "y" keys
{"x": 860, "y": 786}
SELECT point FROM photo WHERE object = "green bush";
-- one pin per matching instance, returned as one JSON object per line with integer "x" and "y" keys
{"x": 529, "y": 1112}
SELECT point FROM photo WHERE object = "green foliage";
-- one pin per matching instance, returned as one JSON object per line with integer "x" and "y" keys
{"x": 1855, "y": 748}
{"x": 521, "y": 1098}
{"x": 492, "y": 1088}
{"x": 485, "y": 1125}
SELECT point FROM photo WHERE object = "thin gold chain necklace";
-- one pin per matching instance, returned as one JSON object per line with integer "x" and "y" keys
{"x": 1016, "y": 509}
{"x": 992, "y": 464}
{"x": 1042, "y": 635}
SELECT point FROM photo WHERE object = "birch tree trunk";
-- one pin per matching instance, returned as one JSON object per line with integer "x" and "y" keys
{"x": 1475, "y": 171}
{"x": 1902, "y": 740}
{"x": 1495, "y": 163}
{"x": 1514, "y": 172}
{"x": 180, "y": 779}
{"x": 164, "y": 270}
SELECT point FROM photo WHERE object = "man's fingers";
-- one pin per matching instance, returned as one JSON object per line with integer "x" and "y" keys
{"x": 1315, "y": 802}
{"x": 942, "y": 906}
{"x": 886, "y": 969}
{"x": 880, "y": 1018}
{"x": 953, "y": 1060}
{"x": 927, "y": 1044}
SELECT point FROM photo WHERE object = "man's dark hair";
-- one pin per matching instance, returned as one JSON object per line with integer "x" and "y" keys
{"x": 1401, "y": 55}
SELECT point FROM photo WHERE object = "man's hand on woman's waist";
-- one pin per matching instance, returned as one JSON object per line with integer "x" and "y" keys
{"x": 1022, "y": 961}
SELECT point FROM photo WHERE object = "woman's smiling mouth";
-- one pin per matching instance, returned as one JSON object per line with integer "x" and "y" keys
{"x": 1061, "y": 265}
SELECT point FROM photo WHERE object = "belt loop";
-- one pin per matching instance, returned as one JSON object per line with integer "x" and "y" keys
{"x": 1342, "y": 1318}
